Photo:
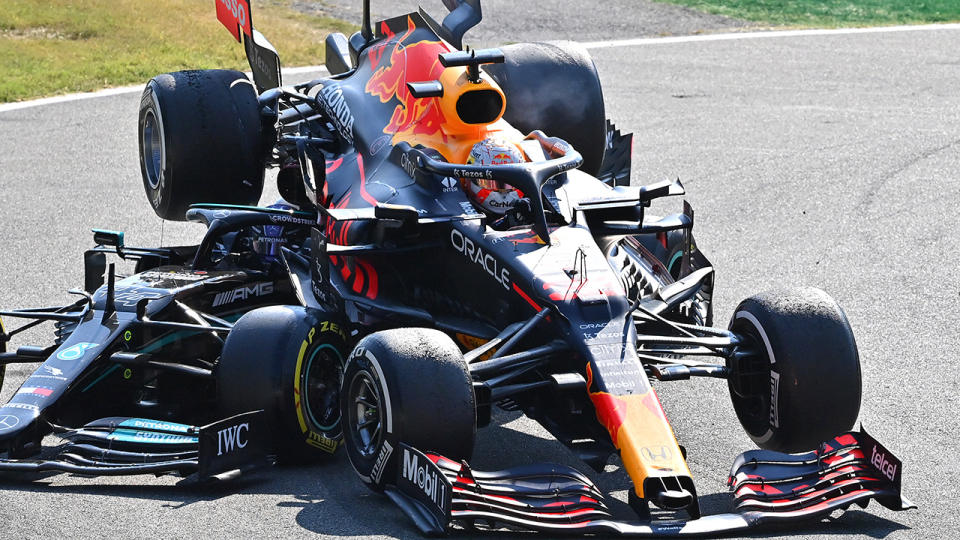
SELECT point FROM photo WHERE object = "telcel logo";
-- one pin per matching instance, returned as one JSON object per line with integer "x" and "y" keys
{"x": 879, "y": 460}
{"x": 425, "y": 480}
{"x": 477, "y": 255}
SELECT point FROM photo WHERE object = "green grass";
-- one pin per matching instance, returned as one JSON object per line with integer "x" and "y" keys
{"x": 52, "y": 47}
{"x": 831, "y": 13}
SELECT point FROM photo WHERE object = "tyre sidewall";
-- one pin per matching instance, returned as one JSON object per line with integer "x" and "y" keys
{"x": 212, "y": 138}
{"x": 412, "y": 390}
{"x": 814, "y": 385}
{"x": 158, "y": 195}
{"x": 374, "y": 470}
{"x": 265, "y": 365}
{"x": 322, "y": 338}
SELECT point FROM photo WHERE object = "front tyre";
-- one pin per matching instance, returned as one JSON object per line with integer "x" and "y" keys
{"x": 289, "y": 362}
{"x": 201, "y": 140}
{"x": 407, "y": 385}
{"x": 799, "y": 382}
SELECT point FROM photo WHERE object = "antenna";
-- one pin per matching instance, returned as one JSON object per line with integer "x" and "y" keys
{"x": 365, "y": 30}
{"x": 110, "y": 308}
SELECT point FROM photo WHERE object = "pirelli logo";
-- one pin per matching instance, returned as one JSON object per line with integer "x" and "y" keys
{"x": 243, "y": 293}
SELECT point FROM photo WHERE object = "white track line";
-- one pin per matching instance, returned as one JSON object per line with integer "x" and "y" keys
{"x": 17, "y": 105}
{"x": 4, "y": 107}
{"x": 768, "y": 34}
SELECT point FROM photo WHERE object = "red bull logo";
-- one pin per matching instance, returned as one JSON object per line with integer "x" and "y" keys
{"x": 639, "y": 429}
{"x": 611, "y": 410}
{"x": 416, "y": 62}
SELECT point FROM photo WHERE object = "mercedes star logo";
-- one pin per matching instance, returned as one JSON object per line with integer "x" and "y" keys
{"x": 8, "y": 421}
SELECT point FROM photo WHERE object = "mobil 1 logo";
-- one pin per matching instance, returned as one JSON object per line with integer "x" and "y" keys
{"x": 419, "y": 478}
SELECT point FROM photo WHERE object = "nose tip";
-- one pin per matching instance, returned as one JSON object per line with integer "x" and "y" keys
{"x": 673, "y": 499}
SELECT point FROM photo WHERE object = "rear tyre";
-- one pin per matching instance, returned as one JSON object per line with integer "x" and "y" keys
{"x": 554, "y": 87}
{"x": 200, "y": 141}
{"x": 289, "y": 362}
{"x": 802, "y": 384}
{"x": 407, "y": 385}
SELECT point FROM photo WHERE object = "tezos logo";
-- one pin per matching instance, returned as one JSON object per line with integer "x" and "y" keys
{"x": 232, "y": 437}
{"x": 485, "y": 260}
{"x": 75, "y": 352}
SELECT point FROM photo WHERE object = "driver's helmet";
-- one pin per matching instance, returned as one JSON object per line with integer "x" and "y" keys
{"x": 494, "y": 196}
{"x": 267, "y": 239}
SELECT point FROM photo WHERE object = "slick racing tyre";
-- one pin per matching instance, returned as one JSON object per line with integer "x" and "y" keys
{"x": 670, "y": 255}
{"x": 200, "y": 141}
{"x": 289, "y": 362}
{"x": 407, "y": 385}
{"x": 554, "y": 87}
{"x": 800, "y": 383}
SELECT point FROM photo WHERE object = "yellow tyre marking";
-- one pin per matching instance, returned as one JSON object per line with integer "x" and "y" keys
{"x": 296, "y": 384}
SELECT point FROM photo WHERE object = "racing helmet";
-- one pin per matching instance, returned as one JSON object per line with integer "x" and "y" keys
{"x": 493, "y": 195}
{"x": 267, "y": 239}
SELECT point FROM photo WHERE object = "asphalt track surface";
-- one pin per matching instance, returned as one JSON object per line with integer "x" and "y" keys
{"x": 829, "y": 161}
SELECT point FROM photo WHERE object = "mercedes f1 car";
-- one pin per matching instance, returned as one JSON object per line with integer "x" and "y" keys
{"x": 388, "y": 306}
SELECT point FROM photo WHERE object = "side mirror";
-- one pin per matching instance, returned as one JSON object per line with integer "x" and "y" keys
{"x": 464, "y": 15}
{"x": 104, "y": 237}
{"x": 338, "y": 54}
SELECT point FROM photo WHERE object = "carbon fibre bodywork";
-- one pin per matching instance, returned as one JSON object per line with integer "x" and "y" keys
{"x": 130, "y": 379}
{"x": 566, "y": 314}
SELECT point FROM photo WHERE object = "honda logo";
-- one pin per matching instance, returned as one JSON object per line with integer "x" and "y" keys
{"x": 656, "y": 453}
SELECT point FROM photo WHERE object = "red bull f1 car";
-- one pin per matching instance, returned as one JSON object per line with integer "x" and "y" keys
{"x": 408, "y": 284}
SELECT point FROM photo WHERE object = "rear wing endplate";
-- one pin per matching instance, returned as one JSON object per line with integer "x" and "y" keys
{"x": 261, "y": 55}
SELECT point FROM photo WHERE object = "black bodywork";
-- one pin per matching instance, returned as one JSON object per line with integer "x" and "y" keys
{"x": 566, "y": 317}
{"x": 131, "y": 375}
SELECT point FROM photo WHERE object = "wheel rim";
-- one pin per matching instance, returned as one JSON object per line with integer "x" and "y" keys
{"x": 366, "y": 417}
{"x": 323, "y": 376}
{"x": 753, "y": 406}
{"x": 152, "y": 149}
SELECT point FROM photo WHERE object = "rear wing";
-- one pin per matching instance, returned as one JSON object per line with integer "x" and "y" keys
{"x": 264, "y": 61}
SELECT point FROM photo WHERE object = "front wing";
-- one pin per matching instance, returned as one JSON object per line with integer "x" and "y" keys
{"x": 128, "y": 446}
{"x": 768, "y": 487}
